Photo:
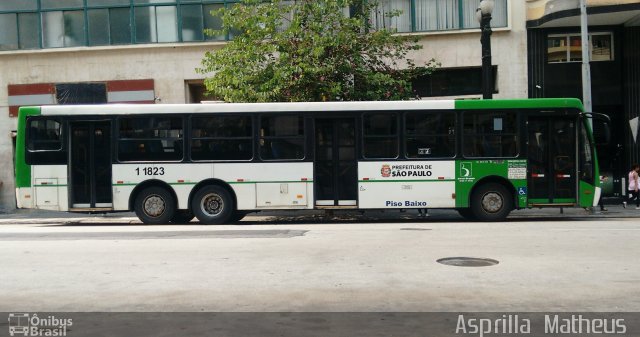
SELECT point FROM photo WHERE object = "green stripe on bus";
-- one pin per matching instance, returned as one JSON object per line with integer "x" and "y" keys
{"x": 405, "y": 181}
{"x": 228, "y": 182}
{"x": 270, "y": 182}
{"x": 520, "y": 103}
{"x": 23, "y": 171}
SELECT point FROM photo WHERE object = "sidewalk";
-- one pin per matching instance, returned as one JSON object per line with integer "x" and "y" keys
{"x": 30, "y": 216}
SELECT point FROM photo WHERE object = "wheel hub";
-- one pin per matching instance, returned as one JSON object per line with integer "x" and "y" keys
{"x": 154, "y": 206}
{"x": 212, "y": 204}
{"x": 492, "y": 202}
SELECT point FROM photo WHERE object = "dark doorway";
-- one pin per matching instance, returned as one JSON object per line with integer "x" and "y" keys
{"x": 336, "y": 167}
{"x": 90, "y": 169}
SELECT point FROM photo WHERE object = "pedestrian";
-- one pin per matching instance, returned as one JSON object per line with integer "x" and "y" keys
{"x": 634, "y": 186}
{"x": 603, "y": 179}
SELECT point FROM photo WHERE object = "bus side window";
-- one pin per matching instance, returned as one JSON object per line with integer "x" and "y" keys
{"x": 45, "y": 142}
{"x": 152, "y": 138}
{"x": 490, "y": 134}
{"x": 282, "y": 137}
{"x": 380, "y": 139}
{"x": 221, "y": 138}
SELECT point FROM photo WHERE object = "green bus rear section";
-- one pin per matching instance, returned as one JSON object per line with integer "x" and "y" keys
{"x": 23, "y": 171}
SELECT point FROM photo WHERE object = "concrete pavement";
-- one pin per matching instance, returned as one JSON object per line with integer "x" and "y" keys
{"x": 306, "y": 264}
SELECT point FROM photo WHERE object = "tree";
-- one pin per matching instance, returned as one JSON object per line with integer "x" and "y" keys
{"x": 309, "y": 50}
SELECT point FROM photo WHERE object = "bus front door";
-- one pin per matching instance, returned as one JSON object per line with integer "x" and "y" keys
{"x": 552, "y": 170}
{"x": 336, "y": 167}
{"x": 90, "y": 166}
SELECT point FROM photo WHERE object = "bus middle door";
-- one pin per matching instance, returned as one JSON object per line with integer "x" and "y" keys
{"x": 90, "y": 166}
{"x": 336, "y": 166}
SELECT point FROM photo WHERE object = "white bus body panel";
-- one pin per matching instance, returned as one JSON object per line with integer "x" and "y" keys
{"x": 252, "y": 183}
{"x": 24, "y": 197}
{"x": 49, "y": 187}
{"x": 410, "y": 184}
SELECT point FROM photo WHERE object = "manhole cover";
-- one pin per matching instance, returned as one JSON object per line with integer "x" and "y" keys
{"x": 467, "y": 261}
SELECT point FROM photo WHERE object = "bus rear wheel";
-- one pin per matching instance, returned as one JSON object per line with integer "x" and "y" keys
{"x": 155, "y": 205}
{"x": 491, "y": 202}
{"x": 212, "y": 205}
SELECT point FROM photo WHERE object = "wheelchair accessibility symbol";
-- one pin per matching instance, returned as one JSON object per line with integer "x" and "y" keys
{"x": 522, "y": 191}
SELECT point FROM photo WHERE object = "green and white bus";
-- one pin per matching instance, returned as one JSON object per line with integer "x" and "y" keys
{"x": 218, "y": 162}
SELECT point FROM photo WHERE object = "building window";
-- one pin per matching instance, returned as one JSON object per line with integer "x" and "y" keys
{"x": 8, "y": 32}
{"x": 18, "y": 5}
{"x": 156, "y": 24}
{"x": 109, "y": 26}
{"x": 29, "y": 24}
{"x": 63, "y": 29}
{"x": 434, "y": 15}
{"x": 452, "y": 82}
{"x": 563, "y": 48}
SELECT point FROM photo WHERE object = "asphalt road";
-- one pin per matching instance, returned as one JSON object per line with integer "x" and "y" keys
{"x": 311, "y": 263}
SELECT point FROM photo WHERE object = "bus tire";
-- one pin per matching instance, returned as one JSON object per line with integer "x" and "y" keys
{"x": 491, "y": 202}
{"x": 182, "y": 216}
{"x": 155, "y": 205}
{"x": 212, "y": 205}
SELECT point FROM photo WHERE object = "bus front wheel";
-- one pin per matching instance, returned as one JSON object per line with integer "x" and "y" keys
{"x": 212, "y": 205}
{"x": 491, "y": 202}
{"x": 155, "y": 205}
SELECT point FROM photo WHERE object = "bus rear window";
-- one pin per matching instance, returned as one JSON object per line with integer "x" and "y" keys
{"x": 44, "y": 140}
{"x": 44, "y": 135}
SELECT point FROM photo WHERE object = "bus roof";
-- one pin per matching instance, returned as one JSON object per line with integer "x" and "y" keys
{"x": 125, "y": 109}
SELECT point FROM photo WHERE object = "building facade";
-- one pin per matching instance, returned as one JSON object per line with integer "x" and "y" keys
{"x": 146, "y": 51}
{"x": 554, "y": 70}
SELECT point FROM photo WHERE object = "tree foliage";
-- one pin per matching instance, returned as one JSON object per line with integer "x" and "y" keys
{"x": 309, "y": 50}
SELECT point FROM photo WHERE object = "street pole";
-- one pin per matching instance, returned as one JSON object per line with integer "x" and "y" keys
{"x": 586, "y": 67}
{"x": 483, "y": 14}
{"x": 586, "y": 59}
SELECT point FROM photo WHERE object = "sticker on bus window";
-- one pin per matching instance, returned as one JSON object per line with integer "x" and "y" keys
{"x": 424, "y": 151}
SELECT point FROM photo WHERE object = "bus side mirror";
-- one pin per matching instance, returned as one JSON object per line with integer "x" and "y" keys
{"x": 601, "y": 132}
{"x": 601, "y": 128}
